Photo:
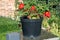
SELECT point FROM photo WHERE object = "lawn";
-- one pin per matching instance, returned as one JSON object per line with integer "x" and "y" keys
{"x": 7, "y": 25}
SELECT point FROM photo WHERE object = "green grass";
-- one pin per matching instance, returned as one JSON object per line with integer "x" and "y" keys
{"x": 6, "y": 26}
{"x": 2, "y": 36}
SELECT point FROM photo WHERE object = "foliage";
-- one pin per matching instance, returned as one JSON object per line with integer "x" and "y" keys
{"x": 7, "y": 24}
{"x": 40, "y": 8}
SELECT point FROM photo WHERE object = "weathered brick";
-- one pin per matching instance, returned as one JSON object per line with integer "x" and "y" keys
{"x": 7, "y": 8}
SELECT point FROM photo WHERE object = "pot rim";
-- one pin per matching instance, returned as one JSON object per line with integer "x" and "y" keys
{"x": 41, "y": 17}
{"x": 31, "y": 20}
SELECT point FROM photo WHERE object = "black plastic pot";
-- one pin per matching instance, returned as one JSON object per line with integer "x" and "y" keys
{"x": 31, "y": 27}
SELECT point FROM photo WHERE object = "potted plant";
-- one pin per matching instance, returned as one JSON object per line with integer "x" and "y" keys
{"x": 31, "y": 20}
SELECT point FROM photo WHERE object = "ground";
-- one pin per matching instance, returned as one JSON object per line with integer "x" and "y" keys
{"x": 44, "y": 35}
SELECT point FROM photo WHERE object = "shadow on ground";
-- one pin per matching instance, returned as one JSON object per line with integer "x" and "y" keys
{"x": 46, "y": 35}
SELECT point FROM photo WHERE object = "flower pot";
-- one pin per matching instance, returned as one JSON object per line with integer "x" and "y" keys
{"x": 31, "y": 27}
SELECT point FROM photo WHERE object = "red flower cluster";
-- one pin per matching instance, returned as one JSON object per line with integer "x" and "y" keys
{"x": 47, "y": 14}
{"x": 33, "y": 8}
{"x": 21, "y": 6}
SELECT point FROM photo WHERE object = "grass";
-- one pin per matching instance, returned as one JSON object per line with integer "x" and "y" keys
{"x": 6, "y": 26}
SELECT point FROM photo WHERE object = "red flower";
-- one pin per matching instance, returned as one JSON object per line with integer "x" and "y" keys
{"x": 33, "y": 8}
{"x": 21, "y": 6}
{"x": 47, "y": 14}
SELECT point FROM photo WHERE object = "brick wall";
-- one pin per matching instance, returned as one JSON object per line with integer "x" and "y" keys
{"x": 7, "y": 8}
